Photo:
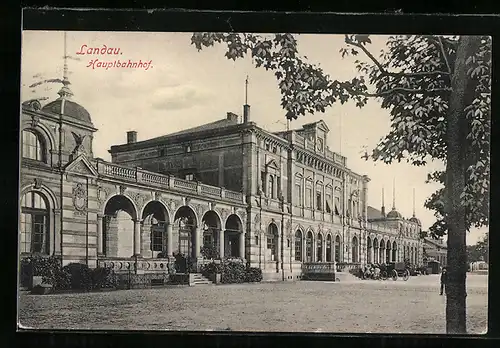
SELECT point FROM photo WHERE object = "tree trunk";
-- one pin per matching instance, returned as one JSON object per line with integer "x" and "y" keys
{"x": 455, "y": 183}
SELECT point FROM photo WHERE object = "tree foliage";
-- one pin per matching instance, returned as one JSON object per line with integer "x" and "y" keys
{"x": 478, "y": 251}
{"x": 411, "y": 78}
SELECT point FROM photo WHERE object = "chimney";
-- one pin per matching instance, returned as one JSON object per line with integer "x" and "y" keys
{"x": 246, "y": 113}
{"x": 131, "y": 137}
{"x": 231, "y": 116}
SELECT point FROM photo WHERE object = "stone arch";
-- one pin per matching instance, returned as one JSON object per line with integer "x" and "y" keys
{"x": 125, "y": 199}
{"x": 155, "y": 222}
{"x": 185, "y": 224}
{"x": 54, "y": 203}
{"x": 120, "y": 227}
{"x": 166, "y": 210}
{"x": 43, "y": 131}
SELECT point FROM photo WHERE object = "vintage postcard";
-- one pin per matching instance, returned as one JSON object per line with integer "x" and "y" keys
{"x": 254, "y": 182}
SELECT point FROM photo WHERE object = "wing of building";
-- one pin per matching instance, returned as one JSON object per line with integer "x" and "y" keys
{"x": 273, "y": 199}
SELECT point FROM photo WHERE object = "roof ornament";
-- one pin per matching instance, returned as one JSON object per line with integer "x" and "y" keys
{"x": 65, "y": 91}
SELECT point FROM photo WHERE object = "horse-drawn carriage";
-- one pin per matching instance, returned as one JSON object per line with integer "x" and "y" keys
{"x": 392, "y": 270}
{"x": 397, "y": 269}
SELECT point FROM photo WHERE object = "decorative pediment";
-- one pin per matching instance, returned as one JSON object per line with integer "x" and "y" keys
{"x": 321, "y": 125}
{"x": 272, "y": 165}
{"x": 81, "y": 166}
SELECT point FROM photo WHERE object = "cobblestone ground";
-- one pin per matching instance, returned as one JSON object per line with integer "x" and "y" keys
{"x": 414, "y": 306}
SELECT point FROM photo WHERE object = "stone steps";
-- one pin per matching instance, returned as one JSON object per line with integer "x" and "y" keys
{"x": 197, "y": 279}
{"x": 345, "y": 277}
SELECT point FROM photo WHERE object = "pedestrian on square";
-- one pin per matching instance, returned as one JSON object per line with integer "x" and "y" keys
{"x": 444, "y": 279}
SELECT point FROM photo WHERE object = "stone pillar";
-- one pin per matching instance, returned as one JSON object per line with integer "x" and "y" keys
{"x": 137, "y": 238}
{"x": 221, "y": 243}
{"x": 56, "y": 227}
{"x": 323, "y": 250}
{"x": 100, "y": 242}
{"x": 277, "y": 257}
{"x": 170, "y": 240}
{"x": 197, "y": 246}
{"x": 265, "y": 186}
{"x": 242, "y": 245}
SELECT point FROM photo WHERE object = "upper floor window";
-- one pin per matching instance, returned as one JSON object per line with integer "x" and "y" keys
{"x": 32, "y": 146}
{"x": 188, "y": 148}
{"x": 319, "y": 201}
{"x": 328, "y": 203}
{"x": 189, "y": 177}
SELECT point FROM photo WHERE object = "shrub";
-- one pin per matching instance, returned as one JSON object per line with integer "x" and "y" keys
{"x": 80, "y": 276}
{"x": 233, "y": 272}
{"x": 209, "y": 252}
{"x": 253, "y": 275}
{"x": 211, "y": 268}
{"x": 49, "y": 268}
{"x": 103, "y": 278}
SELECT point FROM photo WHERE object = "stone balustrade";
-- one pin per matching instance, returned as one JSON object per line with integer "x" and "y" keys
{"x": 141, "y": 176}
{"x": 129, "y": 265}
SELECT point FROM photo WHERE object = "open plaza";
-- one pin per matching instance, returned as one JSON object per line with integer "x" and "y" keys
{"x": 414, "y": 306}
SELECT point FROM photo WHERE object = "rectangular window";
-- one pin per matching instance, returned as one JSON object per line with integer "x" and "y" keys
{"x": 263, "y": 182}
{"x": 157, "y": 239}
{"x": 278, "y": 187}
{"x": 319, "y": 201}
{"x": 308, "y": 197}
{"x": 298, "y": 195}
{"x": 189, "y": 177}
{"x": 328, "y": 203}
{"x": 256, "y": 240}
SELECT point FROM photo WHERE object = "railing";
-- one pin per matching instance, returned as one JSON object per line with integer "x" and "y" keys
{"x": 347, "y": 266}
{"x": 142, "y": 176}
{"x": 130, "y": 264}
{"x": 318, "y": 267}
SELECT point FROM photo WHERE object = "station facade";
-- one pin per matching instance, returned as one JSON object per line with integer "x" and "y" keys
{"x": 275, "y": 200}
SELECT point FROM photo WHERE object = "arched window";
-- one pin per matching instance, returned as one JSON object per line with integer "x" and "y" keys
{"x": 369, "y": 249}
{"x": 32, "y": 146}
{"x": 337, "y": 249}
{"x": 355, "y": 249}
{"x": 309, "y": 247}
{"x": 329, "y": 248}
{"x": 319, "y": 254}
{"x": 34, "y": 223}
{"x": 298, "y": 246}
{"x": 376, "y": 258}
{"x": 272, "y": 241}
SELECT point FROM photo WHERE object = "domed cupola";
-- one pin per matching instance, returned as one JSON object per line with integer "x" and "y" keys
{"x": 65, "y": 106}
{"x": 70, "y": 109}
{"x": 394, "y": 214}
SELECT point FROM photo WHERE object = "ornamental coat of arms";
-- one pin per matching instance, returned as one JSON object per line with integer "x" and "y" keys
{"x": 80, "y": 197}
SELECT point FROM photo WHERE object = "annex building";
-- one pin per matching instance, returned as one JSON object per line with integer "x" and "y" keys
{"x": 277, "y": 200}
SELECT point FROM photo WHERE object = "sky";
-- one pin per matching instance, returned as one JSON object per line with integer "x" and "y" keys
{"x": 184, "y": 88}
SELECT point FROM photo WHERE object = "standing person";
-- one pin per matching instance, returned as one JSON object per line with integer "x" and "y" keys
{"x": 444, "y": 279}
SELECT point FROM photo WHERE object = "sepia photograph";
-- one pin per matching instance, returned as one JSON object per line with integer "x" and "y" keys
{"x": 254, "y": 182}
